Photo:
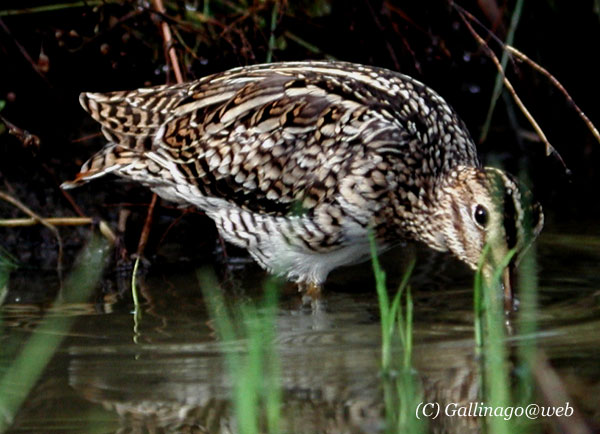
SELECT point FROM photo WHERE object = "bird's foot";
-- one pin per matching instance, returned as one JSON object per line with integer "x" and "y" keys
{"x": 311, "y": 295}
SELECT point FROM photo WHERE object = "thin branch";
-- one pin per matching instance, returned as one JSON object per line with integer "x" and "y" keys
{"x": 15, "y": 202}
{"x": 168, "y": 42}
{"x": 514, "y": 21}
{"x": 23, "y": 51}
{"x": 88, "y": 137}
{"x": 172, "y": 225}
{"x": 549, "y": 148}
{"x": 65, "y": 193}
{"x": 147, "y": 224}
{"x": 51, "y": 8}
{"x": 558, "y": 85}
{"x": 172, "y": 54}
{"x": 61, "y": 221}
{"x": 523, "y": 57}
{"x": 54, "y": 221}
{"x": 28, "y": 140}
{"x": 24, "y": 136}
{"x": 72, "y": 202}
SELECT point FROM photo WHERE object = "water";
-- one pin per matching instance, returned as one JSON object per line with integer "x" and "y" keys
{"x": 166, "y": 373}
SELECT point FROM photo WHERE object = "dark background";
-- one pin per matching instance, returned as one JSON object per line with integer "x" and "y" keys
{"x": 48, "y": 57}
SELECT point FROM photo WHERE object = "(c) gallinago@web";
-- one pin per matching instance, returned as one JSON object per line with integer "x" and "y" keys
{"x": 297, "y": 161}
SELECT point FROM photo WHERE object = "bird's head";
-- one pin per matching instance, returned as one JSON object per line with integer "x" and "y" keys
{"x": 479, "y": 207}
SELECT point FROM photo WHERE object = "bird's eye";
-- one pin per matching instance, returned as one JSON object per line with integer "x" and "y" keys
{"x": 481, "y": 215}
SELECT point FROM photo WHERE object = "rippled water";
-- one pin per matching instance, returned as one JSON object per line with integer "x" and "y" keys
{"x": 166, "y": 373}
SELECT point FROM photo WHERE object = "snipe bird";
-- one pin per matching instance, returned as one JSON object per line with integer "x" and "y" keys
{"x": 298, "y": 161}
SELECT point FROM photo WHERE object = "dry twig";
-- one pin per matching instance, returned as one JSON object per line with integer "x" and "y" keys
{"x": 172, "y": 56}
{"x": 15, "y": 202}
{"x": 558, "y": 85}
{"x": 24, "y": 52}
{"x": 523, "y": 57}
{"x": 147, "y": 224}
{"x": 54, "y": 221}
{"x": 549, "y": 148}
{"x": 25, "y": 137}
{"x": 168, "y": 40}
{"x": 61, "y": 221}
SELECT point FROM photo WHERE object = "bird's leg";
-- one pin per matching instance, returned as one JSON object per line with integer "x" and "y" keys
{"x": 311, "y": 292}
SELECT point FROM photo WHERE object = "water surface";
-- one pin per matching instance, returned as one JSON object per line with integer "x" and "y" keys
{"x": 167, "y": 373}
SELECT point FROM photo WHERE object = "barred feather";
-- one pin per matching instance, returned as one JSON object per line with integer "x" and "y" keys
{"x": 295, "y": 160}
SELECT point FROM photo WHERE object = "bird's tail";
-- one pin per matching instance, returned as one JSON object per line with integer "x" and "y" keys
{"x": 130, "y": 120}
{"x": 109, "y": 159}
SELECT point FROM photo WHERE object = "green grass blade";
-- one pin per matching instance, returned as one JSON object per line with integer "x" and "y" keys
{"x": 274, "y": 13}
{"x": 510, "y": 36}
{"x": 495, "y": 368}
{"x": 23, "y": 373}
{"x": 254, "y": 371}
{"x": 272, "y": 381}
{"x": 408, "y": 327}
{"x": 384, "y": 305}
{"x": 7, "y": 265}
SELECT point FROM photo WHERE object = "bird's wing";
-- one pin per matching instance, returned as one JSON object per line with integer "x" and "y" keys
{"x": 280, "y": 138}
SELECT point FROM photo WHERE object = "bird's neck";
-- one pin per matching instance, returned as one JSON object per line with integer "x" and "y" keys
{"x": 435, "y": 224}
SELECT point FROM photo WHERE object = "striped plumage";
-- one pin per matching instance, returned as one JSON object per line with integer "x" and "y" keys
{"x": 295, "y": 161}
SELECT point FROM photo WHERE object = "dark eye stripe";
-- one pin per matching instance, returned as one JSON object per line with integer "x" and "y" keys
{"x": 510, "y": 221}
